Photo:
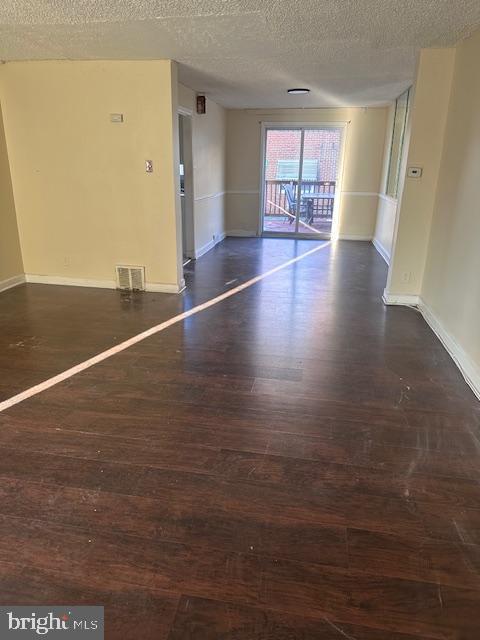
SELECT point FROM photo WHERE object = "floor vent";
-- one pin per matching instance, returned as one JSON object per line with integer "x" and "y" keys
{"x": 131, "y": 278}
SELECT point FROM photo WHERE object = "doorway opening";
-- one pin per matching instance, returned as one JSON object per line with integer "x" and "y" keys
{"x": 300, "y": 180}
{"x": 186, "y": 185}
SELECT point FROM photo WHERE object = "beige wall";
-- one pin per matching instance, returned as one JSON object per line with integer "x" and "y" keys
{"x": 424, "y": 143}
{"x": 451, "y": 287}
{"x": 84, "y": 201}
{"x": 209, "y": 149}
{"x": 364, "y": 143}
{"x": 11, "y": 264}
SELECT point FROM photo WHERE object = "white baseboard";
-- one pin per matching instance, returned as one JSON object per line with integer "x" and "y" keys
{"x": 156, "y": 287}
{"x": 241, "y": 233}
{"x": 9, "y": 283}
{"x": 207, "y": 247}
{"x": 400, "y": 299}
{"x": 381, "y": 250}
{"x": 468, "y": 368}
{"x": 70, "y": 282}
{"x": 343, "y": 236}
{"x": 198, "y": 253}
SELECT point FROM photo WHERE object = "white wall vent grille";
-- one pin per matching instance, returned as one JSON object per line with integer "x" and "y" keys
{"x": 130, "y": 278}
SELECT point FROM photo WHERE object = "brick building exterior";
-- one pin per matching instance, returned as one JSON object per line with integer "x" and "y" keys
{"x": 321, "y": 150}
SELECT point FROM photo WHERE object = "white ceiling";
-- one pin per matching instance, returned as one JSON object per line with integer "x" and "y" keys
{"x": 246, "y": 53}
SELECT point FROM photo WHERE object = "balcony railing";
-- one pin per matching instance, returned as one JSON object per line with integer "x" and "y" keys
{"x": 276, "y": 201}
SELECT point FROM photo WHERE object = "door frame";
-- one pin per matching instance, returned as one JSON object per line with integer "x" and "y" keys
{"x": 265, "y": 126}
{"x": 189, "y": 200}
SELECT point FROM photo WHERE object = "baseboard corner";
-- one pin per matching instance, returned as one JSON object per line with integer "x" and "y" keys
{"x": 406, "y": 300}
{"x": 14, "y": 281}
{"x": 160, "y": 287}
{"x": 381, "y": 250}
{"x": 198, "y": 253}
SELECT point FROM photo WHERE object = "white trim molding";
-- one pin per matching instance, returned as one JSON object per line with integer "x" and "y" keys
{"x": 70, "y": 282}
{"x": 156, "y": 287}
{"x": 468, "y": 368}
{"x": 210, "y": 196}
{"x": 9, "y": 283}
{"x": 242, "y": 233}
{"x": 209, "y": 245}
{"x": 406, "y": 300}
{"x": 384, "y": 196}
{"x": 346, "y": 236}
{"x": 242, "y": 192}
{"x": 381, "y": 250}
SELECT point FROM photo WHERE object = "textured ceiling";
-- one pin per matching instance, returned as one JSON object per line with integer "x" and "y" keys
{"x": 246, "y": 53}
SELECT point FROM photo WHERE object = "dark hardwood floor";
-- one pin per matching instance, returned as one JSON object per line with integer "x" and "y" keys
{"x": 296, "y": 462}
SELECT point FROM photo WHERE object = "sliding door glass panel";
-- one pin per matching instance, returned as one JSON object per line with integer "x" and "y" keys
{"x": 321, "y": 152}
{"x": 282, "y": 175}
{"x": 398, "y": 134}
{"x": 301, "y": 177}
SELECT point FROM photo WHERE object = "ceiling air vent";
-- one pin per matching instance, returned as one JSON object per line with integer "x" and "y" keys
{"x": 131, "y": 278}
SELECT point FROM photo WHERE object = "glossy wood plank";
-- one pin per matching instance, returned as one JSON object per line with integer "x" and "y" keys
{"x": 172, "y": 516}
{"x": 435, "y": 561}
{"x": 133, "y": 612}
{"x": 200, "y": 619}
{"x": 355, "y": 597}
{"x": 115, "y": 562}
{"x": 298, "y": 461}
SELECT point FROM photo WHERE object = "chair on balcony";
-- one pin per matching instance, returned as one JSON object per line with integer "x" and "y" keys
{"x": 290, "y": 193}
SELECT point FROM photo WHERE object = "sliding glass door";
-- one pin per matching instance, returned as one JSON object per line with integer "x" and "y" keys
{"x": 300, "y": 180}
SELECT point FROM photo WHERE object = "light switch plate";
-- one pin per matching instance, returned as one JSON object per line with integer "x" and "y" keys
{"x": 414, "y": 172}
{"x": 116, "y": 117}
{"x": 149, "y": 166}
